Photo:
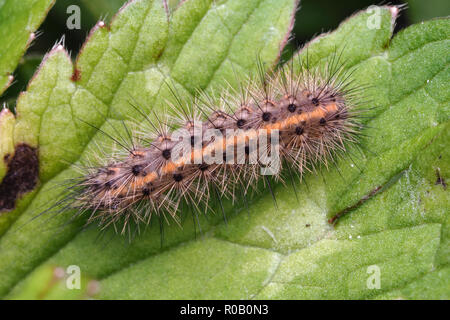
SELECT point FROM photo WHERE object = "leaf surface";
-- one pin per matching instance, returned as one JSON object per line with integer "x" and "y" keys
{"x": 17, "y": 26}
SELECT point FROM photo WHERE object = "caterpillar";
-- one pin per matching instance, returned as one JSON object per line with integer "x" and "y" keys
{"x": 278, "y": 123}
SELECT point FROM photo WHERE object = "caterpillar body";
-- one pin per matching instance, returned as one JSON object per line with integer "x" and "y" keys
{"x": 289, "y": 120}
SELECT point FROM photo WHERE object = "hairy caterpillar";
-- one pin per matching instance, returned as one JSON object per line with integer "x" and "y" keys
{"x": 278, "y": 123}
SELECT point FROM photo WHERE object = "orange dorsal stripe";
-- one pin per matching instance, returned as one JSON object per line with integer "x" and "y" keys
{"x": 197, "y": 156}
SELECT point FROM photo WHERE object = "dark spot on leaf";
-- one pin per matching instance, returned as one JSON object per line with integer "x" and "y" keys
{"x": 160, "y": 52}
{"x": 440, "y": 180}
{"x": 76, "y": 75}
{"x": 372, "y": 193}
{"x": 21, "y": 176}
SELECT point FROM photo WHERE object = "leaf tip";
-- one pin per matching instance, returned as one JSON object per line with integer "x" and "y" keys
{"x": 394, "y": 11}
{"x": 5, "y": 114}
{"x": 31, "y": 37}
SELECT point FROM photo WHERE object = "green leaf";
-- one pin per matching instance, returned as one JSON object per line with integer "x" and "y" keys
{"x": 141, "y": 51}
{"x": 7, "y": 122}
{"x": 390, "y": 199}
{"x": 17, "y": 26}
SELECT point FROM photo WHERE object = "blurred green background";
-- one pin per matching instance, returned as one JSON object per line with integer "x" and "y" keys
{"x": 313, "y": 18}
